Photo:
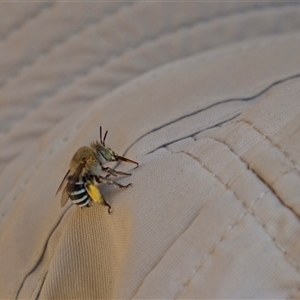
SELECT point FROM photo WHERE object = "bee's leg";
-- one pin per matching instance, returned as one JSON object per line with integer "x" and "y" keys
{"x": 106, "y": 204}
{"x": 100, "y": 179}
{"x": 104, "y": 201}
{"x": 114, "y": 172}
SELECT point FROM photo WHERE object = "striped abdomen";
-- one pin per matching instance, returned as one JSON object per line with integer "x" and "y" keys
{"x": 78, "y": 194}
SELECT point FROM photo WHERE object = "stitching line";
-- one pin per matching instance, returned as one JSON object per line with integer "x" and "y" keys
{"x": 262, "y": 195}
{"x": 259, "y": 177}
{"x": 169, "y": 247}
{"x": 86, "y": 26}
{"x": 226, "y": 231}
{"x": 228, "y": 228}
{"x": 285, "y": 153}
{"x": 79, "y": 75}
{"x": 128, "y": 49}
{"x": 259, "y": 221}
{"x": 252, "y": 206}
{"x": 213, "y": 248}
{"x": 277, "y": 82}
{"x": 42, "y": 280}
{"x": 274, "y": 144}
{"x": 22, "y": 23}
{"x": 195, "y": 133}
{"x": 21, "y": 280}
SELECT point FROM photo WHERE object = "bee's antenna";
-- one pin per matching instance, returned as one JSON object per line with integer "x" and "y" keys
{"x": 103, "y": 141}
{"x": 105, "y": 137}
{"x": 101, "y": 134}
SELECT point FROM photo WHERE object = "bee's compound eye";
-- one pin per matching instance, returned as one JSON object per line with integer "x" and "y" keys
{"x": 106, "y": 154}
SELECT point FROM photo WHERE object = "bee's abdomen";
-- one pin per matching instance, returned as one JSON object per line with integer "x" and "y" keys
{"x": 79, "y": 195}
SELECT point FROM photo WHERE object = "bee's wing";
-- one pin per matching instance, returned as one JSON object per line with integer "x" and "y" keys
{"x": 75, "y": 177}
{"x": 62, "y": 182}
{"x": 72, "y": 179}
{"x": 70, "y": 183}
{"x": 64, "y": 197}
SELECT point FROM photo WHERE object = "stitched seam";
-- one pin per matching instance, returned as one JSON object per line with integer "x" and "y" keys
{"x": 26, "y": 20}
{"x": 22, "y": 279}
{"x": 258, "y": 176}
{"x": 259, "y": 221}
{"x": 197, "y": 132}
{"x": 277, "y": 82}
{"x": 53, "y": 46}
{"x": 228, "y": 228}
{"x": 81, "y": 74}
{"x": 262, "y": 194}
{"x": 77, "y": 76}
{"x": 260, "y": 93}
{"x": 213, "y": 248}
{"x": 43, "y": 279}
{"x": 168, "y": 248}
{"x": 252, "y": 206}
{"x": 89, "y": 24}
{"x": 273, "y": 143}
{"x": 285, "y": 153}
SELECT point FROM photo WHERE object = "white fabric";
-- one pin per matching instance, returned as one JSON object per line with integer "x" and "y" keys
{"x": 205, "y": 96}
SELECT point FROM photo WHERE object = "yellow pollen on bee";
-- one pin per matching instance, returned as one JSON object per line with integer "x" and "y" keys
{"x": 93, "y": 192}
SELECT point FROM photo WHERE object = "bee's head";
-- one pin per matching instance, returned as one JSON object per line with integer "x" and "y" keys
{"x": 104, "y": 153}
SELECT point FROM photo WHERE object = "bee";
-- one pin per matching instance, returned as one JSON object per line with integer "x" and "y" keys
{"x": 85, "y": 168}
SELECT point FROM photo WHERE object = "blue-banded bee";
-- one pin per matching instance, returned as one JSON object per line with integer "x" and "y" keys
{"x": 85, "y": 168}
